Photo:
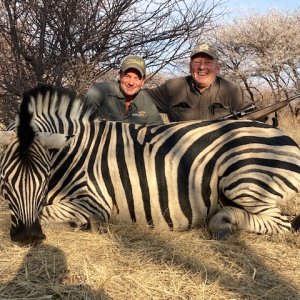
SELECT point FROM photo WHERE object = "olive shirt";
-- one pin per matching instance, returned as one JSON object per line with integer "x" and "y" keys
{"x": 110, "y": 104}
{"x": 182, "y": 101}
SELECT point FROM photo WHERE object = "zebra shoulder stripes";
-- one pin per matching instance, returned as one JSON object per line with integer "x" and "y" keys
{"x": 61, "y": 165}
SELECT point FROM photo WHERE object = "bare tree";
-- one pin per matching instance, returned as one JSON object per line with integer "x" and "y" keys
{"x": 263, "y": 51}
{"x": 75, "y": 42}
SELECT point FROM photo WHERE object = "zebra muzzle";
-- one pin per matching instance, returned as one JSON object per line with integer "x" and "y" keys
{"x": 27, "y": 235}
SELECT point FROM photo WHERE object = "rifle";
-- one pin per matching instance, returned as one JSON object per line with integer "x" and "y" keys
{"x": 249, "y": 113}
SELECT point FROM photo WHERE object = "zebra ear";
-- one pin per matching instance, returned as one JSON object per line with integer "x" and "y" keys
{"x": 6, "y": 137}
{"x": 52, "y": 140}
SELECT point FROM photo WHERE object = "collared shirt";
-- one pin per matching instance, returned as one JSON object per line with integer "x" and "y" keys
{"x": 109, "y": 102}
{"x": 181, "y": 101}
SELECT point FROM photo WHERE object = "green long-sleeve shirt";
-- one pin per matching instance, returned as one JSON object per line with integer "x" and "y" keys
{"x": 109, "y": 102}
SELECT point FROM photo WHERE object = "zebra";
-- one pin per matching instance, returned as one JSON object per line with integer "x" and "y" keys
{"x": 59, "y": 164}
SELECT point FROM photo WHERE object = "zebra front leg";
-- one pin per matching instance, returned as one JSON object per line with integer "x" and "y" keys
{"x": 230, "y": 219}
{"x": 71, "y": 214}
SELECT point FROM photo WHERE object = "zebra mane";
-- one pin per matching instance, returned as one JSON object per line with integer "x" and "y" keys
{"x": 42, "y": 109}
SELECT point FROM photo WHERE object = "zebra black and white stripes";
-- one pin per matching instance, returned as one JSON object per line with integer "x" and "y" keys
{"x": 233, "y": 174}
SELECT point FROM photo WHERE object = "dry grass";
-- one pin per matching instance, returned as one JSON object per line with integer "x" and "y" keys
{"x": 290, "y": 124}
{"x": 133, "y": 262}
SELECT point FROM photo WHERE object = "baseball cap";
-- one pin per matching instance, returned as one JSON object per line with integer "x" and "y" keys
{"x": 205, "y": 48}
{"x": 134, "y": 62}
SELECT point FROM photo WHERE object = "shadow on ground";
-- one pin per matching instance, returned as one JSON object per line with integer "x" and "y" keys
{"x": 44, "y": 275}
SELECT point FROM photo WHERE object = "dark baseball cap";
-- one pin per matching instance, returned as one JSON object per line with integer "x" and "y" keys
{"x": 207, "y": 49}
{"x": 134, "y": 62}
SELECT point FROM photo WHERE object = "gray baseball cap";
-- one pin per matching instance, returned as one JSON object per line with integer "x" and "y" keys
{"x": 134, "y": 62}
{"x": 207, "y": 49}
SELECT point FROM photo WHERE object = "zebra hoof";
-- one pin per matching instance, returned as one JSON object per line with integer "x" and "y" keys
{"x": 222, "y": 234}
{"x": 97, "y": 225}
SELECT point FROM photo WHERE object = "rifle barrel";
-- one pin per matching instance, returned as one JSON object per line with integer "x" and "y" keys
{"x": 256, "y": 115}
{"x": 245, "y": 114}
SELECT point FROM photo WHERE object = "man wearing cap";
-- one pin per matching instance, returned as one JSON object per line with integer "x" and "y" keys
{"x": 123, "y": 100}
{"x": 203, "y": 95}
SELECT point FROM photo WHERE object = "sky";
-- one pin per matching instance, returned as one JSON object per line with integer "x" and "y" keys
{"x": 239, "y": 8}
